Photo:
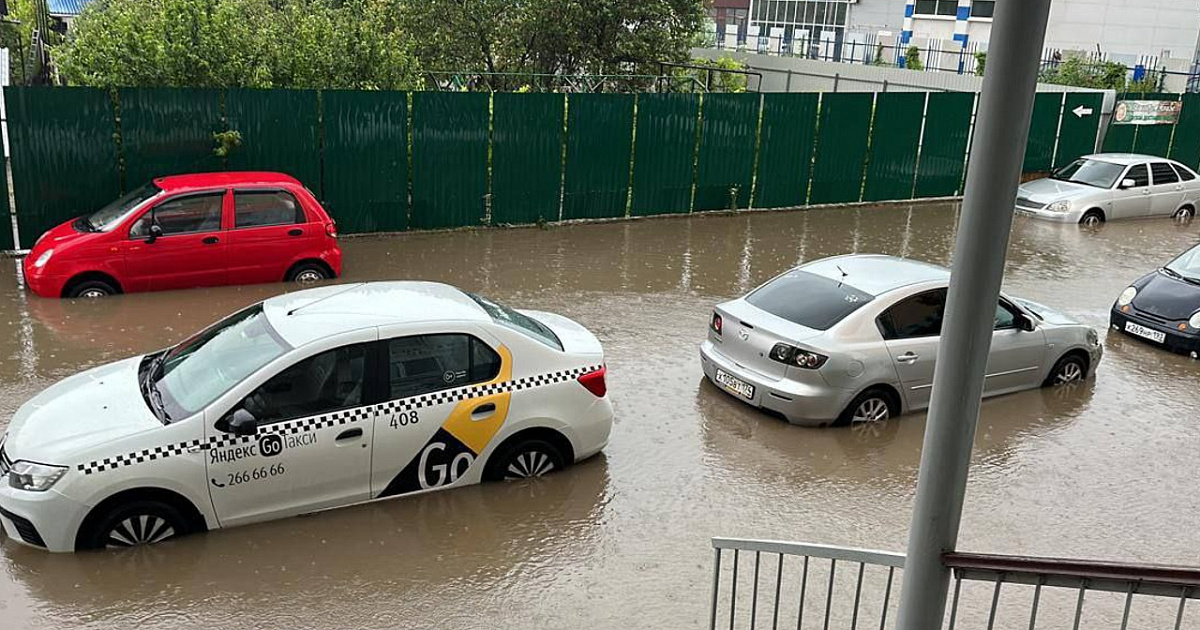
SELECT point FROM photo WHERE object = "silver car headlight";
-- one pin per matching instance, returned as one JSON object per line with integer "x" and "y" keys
{"x": 44, "y": 258}
{"x": 34, "y": 477}
{"x": 1127, "y": 296}
{"x": 1194, "y": 322}
{"x": 1059, "y": 206}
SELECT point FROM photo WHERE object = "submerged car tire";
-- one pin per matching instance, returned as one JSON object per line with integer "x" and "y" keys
{"x": 308, "y": 273}
{"x": 1184, "y": 214}
{"x": 136, "y": 524}
{"x": 91, "y": 289}
{"x": 1091, "y": 218}
{"x": 524, "y": 459}
{"x": 871, "y": 406}
{"x": 1071, "y": 368}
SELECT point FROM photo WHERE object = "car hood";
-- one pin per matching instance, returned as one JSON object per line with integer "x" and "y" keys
{"x": 59, "y": 238}
{"x": 1167, "y": 297}
{"x": 1048, "y": 315}
{"x": 93, "y": 407}
{"x": 1046, "y": 190}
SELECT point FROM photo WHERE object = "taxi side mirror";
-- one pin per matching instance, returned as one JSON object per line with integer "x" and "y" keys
{"x": 1128, "y": 183}
{"x": 242, "y": 422}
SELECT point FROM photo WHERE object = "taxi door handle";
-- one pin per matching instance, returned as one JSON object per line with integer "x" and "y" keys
{"x": 349, "y": 434}
{"x": 908, "y": 357}
{"x": 483, "y": 411}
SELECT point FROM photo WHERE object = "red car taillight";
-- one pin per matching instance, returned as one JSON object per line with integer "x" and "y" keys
{"x": 331, "y": 229}
{"x": 716, "y": 323}
{"x": 594, "y": 382}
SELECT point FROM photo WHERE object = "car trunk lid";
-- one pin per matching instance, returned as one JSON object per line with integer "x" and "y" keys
{"x": 749, "y": 333}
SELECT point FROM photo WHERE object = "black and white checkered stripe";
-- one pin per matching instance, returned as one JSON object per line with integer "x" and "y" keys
{"x": 304, "y": 425}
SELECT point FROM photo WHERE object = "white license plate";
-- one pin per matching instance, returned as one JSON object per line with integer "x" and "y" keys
{"x": 1145, "y": 333}
{"x": 735, "y": 385}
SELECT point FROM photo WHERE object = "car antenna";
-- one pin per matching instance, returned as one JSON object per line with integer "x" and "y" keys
{"x": 844, "y": 274}
{"x": 346, "y": 290}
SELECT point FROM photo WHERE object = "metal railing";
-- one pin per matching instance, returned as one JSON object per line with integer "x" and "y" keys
{"x": 805, "y": 588}
{"x": 774, "y": 584}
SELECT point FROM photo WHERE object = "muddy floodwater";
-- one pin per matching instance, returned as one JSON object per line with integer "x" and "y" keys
{"x": 1106, "y": 470}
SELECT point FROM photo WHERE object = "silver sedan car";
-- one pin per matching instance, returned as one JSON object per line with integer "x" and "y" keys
{"x": 1106, "y": 186}
{"x": 853, "y": 339}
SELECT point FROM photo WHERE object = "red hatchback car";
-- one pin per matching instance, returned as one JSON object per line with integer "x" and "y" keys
{"x": 187, "y": 231}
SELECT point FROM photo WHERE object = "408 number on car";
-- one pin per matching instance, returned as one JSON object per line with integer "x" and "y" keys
{"x": 404, "y": 418}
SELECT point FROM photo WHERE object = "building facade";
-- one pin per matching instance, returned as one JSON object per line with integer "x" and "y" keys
{"x": 1128, "y": 31}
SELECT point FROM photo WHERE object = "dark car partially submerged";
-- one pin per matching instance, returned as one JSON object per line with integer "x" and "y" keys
{"x": 1163, "y": 307}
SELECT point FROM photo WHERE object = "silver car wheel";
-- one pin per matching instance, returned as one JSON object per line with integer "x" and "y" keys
{"x": 309, "y": 276}
{"x": 1070, "y": 372}
{"x": 870, "y": 411}
{"x": 529, "y": 464}
{"x": 1091, "y": 220}
{"x": 143, "y": 529}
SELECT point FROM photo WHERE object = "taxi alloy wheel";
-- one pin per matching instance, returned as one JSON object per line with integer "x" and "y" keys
{"x": 524, "y": 460}
{"x": 136, "y": 524}
{"x": 143, "y": 529}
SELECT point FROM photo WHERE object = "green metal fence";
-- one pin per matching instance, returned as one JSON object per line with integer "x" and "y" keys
{"x": 892, "y": 165}
{"x": 944, "y": 144}
{"x": 391, "y": 161}
{"x": 664, "y": 153}
{"x": 366, "y": 159}
{"x": 842, "y": 138}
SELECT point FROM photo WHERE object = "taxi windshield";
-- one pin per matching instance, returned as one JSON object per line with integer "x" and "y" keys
{"x": 193, "y": 374}
{"x": 107, "y": 217}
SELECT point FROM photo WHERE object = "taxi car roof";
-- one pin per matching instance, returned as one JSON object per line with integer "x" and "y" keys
{"x": 877, "y": 274}
{"x": 1126, "y": 159}
{"x": 305, "y": 316}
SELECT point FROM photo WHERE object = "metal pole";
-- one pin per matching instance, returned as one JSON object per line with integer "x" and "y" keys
{"x": 1001, "y": 131}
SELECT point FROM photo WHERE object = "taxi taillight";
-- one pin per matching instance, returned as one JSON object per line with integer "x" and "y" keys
{"x": 594, "y": 382}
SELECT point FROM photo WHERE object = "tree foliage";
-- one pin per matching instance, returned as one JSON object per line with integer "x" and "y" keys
{"x": 368, "y": 43}
{"x": 1080, "y": 72}
{"x": 912, "y": 58}
{"x": 238, "y": 43}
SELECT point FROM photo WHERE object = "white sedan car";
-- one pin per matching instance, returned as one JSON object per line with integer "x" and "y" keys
{"x": 1098, "y": 188}
{"x": 304, "y": 402}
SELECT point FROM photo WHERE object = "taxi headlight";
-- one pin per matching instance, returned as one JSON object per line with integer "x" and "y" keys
{"x": 1059, "y": 206}
{"x": 1127, "y": 296}
{"x": 1194, "y": 322}
{"x": 33, "y": 476}
{"x": 43, "y": 259}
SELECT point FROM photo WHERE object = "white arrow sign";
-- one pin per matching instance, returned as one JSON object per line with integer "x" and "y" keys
{"x": 1082, "y": 111}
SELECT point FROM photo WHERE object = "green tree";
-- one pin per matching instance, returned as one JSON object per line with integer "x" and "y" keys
{"x": 551, "y": 37}
{"x": 980, "y": 63}
{"x": 238, "y": 43}
{"x": 1079, "y": 72}
{"x": 912, "y": 58}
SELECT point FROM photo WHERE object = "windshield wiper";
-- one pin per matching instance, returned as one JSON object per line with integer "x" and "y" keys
{"x": 1179, "y": 276}
{"x": 150, "y": 384}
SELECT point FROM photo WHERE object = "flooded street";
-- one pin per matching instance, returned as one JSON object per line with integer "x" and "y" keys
{"x": 1106, "y": 470}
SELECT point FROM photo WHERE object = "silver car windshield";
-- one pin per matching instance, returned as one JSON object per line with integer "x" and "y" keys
{"x": 807, "y": 299}
{"x": 1187, "y": 264}
{"x": 196, "y": 372}
{"x": 1090, "y": 172}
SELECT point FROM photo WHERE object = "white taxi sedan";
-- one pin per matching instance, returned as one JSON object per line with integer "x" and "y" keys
{"x": 304, "y": 402}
